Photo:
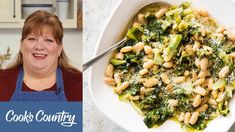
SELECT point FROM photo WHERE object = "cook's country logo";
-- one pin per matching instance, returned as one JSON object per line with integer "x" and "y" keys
{"x": 64, "y": 118}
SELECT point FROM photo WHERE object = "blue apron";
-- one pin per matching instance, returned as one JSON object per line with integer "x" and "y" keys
{"x": 57, "y": 95}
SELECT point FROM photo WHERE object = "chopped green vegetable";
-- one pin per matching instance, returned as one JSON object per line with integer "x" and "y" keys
{"x": 157, "y": 116}
{"x": 158, "y": 58}
{"x": 117, "y": 62}
{"x": 134, "y": 33}
{"x": 223, "y": 109}
{"x": 226, "y": 59}
{"x": 175, "y": 11}
{"x": 219, "y": 84}
{"x": 172, "y": 47}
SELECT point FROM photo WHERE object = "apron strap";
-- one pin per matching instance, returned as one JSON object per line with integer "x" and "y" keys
{"x": 19, "y": 82}
{"x": 59, "y": 81}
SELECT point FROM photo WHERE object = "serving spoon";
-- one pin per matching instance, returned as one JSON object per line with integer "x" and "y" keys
{"x": 123, "y": 40}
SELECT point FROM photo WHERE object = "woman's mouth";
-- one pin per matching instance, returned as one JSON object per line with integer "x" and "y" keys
{"x": 38, "y": 56}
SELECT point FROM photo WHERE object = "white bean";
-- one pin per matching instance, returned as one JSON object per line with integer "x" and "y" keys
{"x": 197, "y": 62}
{"x": 123, "y": 86}
{"x": 220, "y": 35}
{"x": 202, "y": 12}
{"x": 197, "y": 101}
{"x": 147, "y": 90}
{"x": 165, "y": 78}
{"x": 224, "y": 72}
{"x": 232, "y": 55}
{"x": 150, "y": 56}
{"x": 203, "y": 32}
{"x": 214, "y": 106}
{"x": 220, "y": 97}
{"x": 141, "y": 80}
{"x": 138, "y": 47}
{"x": 194, "y": 75}
{"x": 169, "y": 88}
{"x": 168, "y": 64}
{"x": 126, "y": 49}
{"x": 202, "y": 74}
{"x": 194, "y": 118}
{"x": 231, "y": 36}
{"x": 160, "y": 13}
{"x": 148, "y": 50}
{"x": 109, "y": 80}
{"x": 186, "y": 73}
{"x": 189, "y": 49}
{"x": 143, "y": 71}
{"x": 214, "y": 93}
{"x": 212, "y": 101}
{"x": 148, "y": 64}
{"x": 196, "y": 46}
{"x": 151, "y": 82}
{"x": 142, "y": 92}
{"x": 204, "y": 64}
{"x": 199, "y": 81}
{"x": 141, "y": 18}
{"x": 200, "y": 90}
{"x": 181, "y": 117}
{"x": 178, "y": 80}
{"x": 210, "y": 83}
{"x": 187, "y": 118}
{"x": 119, "y": 55}
{"x": 109, "y": 70}
{"x": 134, "y": 97}
{"x": 173, "y": 102}
{"x": 117, "y": 78}
{"x": 209, "y": 49}
{"x": 204, "y": 100}
{"x": 220, "y": 30}
{"x": 202, "y": 108}
{"x": 136, "y": 24}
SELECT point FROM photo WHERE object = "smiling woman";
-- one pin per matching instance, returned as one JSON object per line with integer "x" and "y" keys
{"x": 41, "y": 71}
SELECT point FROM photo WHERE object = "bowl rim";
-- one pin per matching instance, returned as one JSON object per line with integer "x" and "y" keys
{"x": 93, "y": 55}
{"x": 91, "y": 70}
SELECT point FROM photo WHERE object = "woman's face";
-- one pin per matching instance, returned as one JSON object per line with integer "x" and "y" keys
{"x": 40, "y": 52}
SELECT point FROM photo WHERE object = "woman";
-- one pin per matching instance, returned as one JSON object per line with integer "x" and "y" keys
{"x": 41, "y": 71}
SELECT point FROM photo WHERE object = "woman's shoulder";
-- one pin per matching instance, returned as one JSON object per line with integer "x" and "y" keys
{"x": 8, "y": 76}
{"x": 72, "y": 84}
{"x": 8, "y": 79}
{"x": 72, "y": 72}
{"x": 9, "y": 72}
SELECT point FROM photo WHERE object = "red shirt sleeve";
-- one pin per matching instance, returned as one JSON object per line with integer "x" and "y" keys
{"x": 7, "y": 83}
{"x": 72, "y": 84}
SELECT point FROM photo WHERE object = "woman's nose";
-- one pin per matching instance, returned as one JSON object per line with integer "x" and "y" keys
{"x": 39, "y": 45}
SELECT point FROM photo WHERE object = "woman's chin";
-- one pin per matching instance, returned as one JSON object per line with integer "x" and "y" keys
{"x": 39, "y": 67}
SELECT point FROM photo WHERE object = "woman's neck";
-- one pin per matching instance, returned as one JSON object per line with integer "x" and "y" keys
{"x": 39, "y": 80}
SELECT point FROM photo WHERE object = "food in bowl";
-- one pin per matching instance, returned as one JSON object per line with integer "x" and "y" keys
{"x": 177, "y": 63}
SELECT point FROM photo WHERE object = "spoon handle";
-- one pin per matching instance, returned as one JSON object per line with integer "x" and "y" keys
{"x": 90, "y": 62}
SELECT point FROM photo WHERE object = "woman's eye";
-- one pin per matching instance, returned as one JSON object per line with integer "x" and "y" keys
{"x": 49, "y": 40}
{"x": 31, "y": 39}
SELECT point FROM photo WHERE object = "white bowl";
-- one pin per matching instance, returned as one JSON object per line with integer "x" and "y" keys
{"x": 122, "y": 112}
{"x": 28, "y": 9}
